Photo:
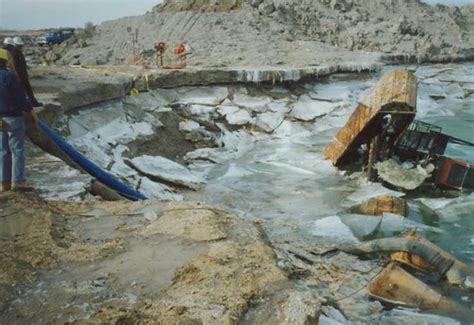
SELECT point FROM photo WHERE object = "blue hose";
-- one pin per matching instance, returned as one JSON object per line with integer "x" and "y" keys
{"x": 94, "y": 170}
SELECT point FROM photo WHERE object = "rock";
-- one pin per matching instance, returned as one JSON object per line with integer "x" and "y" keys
{"x": 266, "y": 8}
{"x": 255, "y": 3}
{"x": 164, "y": 169}
{"x": 300, "y": 308}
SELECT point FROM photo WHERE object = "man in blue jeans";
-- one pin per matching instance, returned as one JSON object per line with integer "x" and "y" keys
{"x": 13, "y": 103}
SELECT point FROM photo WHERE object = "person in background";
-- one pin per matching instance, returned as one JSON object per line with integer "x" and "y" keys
{"x": 9, "y": 45}
{"x": 13, "y": 103}
{"x": 21, "y": 70}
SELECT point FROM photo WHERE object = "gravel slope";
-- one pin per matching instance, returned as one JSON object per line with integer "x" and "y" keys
{"x": 285, "y": 33}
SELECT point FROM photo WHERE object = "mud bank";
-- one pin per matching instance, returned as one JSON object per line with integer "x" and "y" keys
{"x": 152, "y": 261}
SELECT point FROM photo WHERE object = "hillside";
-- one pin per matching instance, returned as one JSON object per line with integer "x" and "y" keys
{"x": 286, "y": 33}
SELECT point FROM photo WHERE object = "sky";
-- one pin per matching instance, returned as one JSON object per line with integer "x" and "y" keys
{"x": 37, "y": 14}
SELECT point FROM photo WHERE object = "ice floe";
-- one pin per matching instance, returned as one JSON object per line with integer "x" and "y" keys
{"x": 307, "y": 109}
{"x": 166, "y": 170}
{"x": 241, "y": 117}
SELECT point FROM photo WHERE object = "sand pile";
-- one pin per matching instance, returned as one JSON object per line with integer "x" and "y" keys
{"x": 284, "y": 32}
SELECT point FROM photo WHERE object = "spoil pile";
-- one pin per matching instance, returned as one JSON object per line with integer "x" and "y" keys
{"x": 284, "y": 32}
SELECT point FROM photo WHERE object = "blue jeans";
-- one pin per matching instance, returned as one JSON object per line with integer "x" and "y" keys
{"x": 12, "y": 150}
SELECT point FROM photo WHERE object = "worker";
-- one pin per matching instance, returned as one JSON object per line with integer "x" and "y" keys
{"x": 13, "y": 104}
{"x": 22, "y": 72}
{"x": 9, "y": 45}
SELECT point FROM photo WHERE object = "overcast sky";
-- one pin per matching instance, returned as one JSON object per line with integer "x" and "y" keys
{"x": 35, "y": 14}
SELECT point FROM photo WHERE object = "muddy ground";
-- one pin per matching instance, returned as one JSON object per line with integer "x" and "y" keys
{"x": 150, "y": 261}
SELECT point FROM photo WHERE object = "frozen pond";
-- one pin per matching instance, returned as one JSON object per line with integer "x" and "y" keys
{"x": 265, "y": 160}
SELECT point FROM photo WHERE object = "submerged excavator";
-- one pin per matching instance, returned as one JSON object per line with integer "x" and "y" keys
{"x": 383, "y": 126}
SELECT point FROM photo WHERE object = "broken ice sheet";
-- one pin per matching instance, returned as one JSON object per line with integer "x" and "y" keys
{"x": 333, "y": 230}
{"x": 202, "y": 95}
{"x": 407, "y": 316}
{"x": 188, "y": 126}
{"x": 240, "y": 117}
{"x": 269, "y": 121}
{"x": 257, "y": 103}
{"x": 167, "y": 170}
{"x": 307, "y": 109}
{"x": 145, "y": 101}
{"x": 393, "y": 173}
{"x": 366, "y": 191}
{"x": 157, "y": 190}
{"x": 234, "y": 171}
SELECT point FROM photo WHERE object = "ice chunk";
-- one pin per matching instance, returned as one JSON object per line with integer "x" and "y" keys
{"x": 269, "y": 121}
{"x": 145, "y": 101}
{"x": 334, "y": 315}
{"x": 166, "y": 170}
{"x": 227, "y": 109}
{"x": 324, "y": 320}
{"x": 361, "y": 225}
{"x": 280, "y": 106}
{"x": 188, "y": 126}
{"x": 406, "y": 316}
{"x": 157, "y": 190}
{"x": 288, "y": 129}
{"x": 393, "y": 224}
{"x": 201, "y": 110}
{"x": 394, "y": 174}
{"x": 202, "y": 95}
{"x": 165, "y": 96}
{"x": 234, "y": 171}
{"x": 307, "y": 109}
{"x": 240, "y": 117}
{"x": 333, "y": 229}
{"x": 216, "y": 155}
{"x": 369, "y": 190}
{"x": 455, "y": 90}
{"x": 259, "y": 104}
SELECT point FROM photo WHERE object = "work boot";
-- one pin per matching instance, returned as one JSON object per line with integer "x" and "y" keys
{"x": 22, "y": 187}
{"x": 5, "y": 186}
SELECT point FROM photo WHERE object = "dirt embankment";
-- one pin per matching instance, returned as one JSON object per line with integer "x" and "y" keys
{"x": 182, "y": 262}
{"x": 285, "y": 33}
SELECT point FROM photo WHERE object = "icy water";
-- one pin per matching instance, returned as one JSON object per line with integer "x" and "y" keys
{"x": 301, "y": 198}
{"x": 280, "y": 177}
{"x": 287, "y": 183}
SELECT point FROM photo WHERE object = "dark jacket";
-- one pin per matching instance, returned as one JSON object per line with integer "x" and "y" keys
{"x": 11, "y": 58}
{"x": 20, "y": 66}
{"x": 22, "y": 72}
{"x": 13, "y": 101}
